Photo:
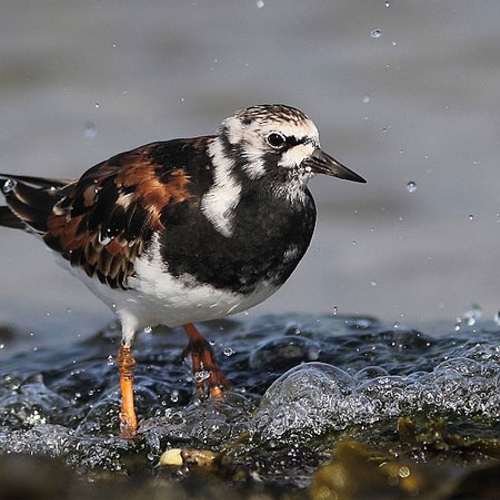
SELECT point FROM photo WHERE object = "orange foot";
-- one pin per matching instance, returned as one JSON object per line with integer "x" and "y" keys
{"x": 128, "y": 418}
{"x": 205, "y": 367}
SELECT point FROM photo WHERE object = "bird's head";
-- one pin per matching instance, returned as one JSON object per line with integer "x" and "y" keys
{"x": 279, "y": 143}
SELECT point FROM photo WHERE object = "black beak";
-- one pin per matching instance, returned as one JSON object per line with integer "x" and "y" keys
{"x": 322, "y": 163}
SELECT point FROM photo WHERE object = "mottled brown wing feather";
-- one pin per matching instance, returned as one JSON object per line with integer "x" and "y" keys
{"x": 103, "y": 222}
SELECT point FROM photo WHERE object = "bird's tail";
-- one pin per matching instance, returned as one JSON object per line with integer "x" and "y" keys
{"x": 29, "y": 201}
{"x": 9, "y": 219}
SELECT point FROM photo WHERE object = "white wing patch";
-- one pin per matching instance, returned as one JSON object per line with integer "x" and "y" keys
{"x": 218, "y": 203}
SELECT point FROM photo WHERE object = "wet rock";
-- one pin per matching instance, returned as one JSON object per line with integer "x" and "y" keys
{"x": 362, "y": 474}
{"x": 35, "y": 478}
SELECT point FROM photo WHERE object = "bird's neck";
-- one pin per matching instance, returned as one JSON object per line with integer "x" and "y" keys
{"x": 234, "y": 193}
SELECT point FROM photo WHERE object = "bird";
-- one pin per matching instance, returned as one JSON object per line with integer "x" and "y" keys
{"x": 183, "y": 231}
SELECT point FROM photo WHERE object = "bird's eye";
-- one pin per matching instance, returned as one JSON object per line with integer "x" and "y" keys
{"x": 276, "y": 140}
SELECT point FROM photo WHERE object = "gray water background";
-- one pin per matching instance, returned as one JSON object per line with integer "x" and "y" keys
{"x": 81, "y": 81}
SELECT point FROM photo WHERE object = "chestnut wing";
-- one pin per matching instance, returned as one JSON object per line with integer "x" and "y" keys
{"x": 104, "y": 221}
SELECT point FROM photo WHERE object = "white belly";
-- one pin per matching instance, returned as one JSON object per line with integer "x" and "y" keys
{"x": 156, "y": 297}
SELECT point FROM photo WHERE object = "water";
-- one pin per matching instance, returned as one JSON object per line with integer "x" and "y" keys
{"x": 300, "y": 381}
{"x": 59, "y": 61}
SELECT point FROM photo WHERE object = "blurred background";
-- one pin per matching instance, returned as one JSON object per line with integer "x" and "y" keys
{"x": 405, "y": 93}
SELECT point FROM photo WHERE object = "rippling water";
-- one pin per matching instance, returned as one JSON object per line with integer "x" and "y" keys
{"x": 81, "y": 81}
{"x": 300, "y": 383}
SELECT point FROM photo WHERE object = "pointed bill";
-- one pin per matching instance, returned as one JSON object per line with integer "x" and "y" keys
{"x": 322, "y": 163}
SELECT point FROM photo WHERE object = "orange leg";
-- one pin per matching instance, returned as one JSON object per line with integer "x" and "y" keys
{"x": 128, "y": 419}
{"x": 203, "y": 359}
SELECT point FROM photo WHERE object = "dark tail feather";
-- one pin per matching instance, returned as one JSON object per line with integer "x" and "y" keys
{"x": 30, "y": 201}
{"x": 29, "y": 214}
{"x": 8, "y": 219}
{"x": 38, "y": 198}
{"x": 38, "y": 181}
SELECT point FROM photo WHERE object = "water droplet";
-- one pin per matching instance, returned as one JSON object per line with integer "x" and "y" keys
{"x": 8, "y": 186}
{"x": 366, "y": 99}
{"x": 353, "y": 242}
{"x": 472, "y": 316}
{"x": 373, "y": 283}
{"x": 471, "y": 217}
{"x": 376, "y": 33}
{"x": 68, "y": 310}
{"x": 182, "y": 99}
{"x": 411, "y": 187}
{"x": 147, "y": 330}
{"x": 90, "y": 131}
{"x": 111, "y": 361}
{"x": 404, "y": 471}
{"x": 114, "y": 45}
{"x": 260, "y": 4}
{"x": 394, "y": 43}
{"x": 174, "y": 396}
{"x": 2, "y": 346}
{"x": 97, "y": 105}
{"x": 201, "y": 375}
{"x": 228, "y": 351}
{"x": 387, "y": 4}
{"x": 335, "y": 310}
{"x": 396, "y": 325}
{"x": 497, "y": 318}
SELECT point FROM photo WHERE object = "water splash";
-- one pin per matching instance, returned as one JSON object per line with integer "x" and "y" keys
{"x": 472, "y": 315}
{"x": 8, "y": 186}
{"x": 296, "y": 377}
